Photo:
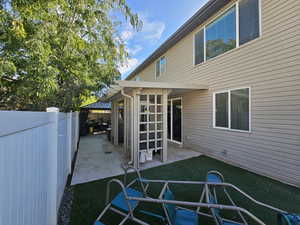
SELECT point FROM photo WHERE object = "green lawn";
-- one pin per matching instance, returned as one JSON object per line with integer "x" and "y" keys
{"x": 89, "y": 198}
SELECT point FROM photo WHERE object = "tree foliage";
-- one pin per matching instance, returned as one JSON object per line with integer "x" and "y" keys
{"x": 58, "y": 52}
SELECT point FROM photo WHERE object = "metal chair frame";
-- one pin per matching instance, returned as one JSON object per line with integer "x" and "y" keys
{"x": 207, "y": 188}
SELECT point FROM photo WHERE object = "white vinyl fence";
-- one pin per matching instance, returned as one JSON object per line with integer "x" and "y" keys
{"x": 36, "y": 152}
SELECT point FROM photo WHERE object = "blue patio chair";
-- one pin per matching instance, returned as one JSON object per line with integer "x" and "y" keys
{"x": 98, "y": 223}
{"x": 214, "y": 177}
{"x": 217, "y": 215}
{"x": 178, "y": 216}
{"x": 288, "y": 219}
{"x": 120, "y": 203}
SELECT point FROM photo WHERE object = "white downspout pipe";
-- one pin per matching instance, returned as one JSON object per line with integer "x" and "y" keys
{"x": 132, "y": 123}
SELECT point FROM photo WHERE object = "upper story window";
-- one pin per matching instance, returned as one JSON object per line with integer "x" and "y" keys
{"x": 160, "y": 67}
{"x": 249, "y": 25}
{"x": 237, "y": 26}
{"x": 232, "y": 109}
{"x": 221, "y": 34}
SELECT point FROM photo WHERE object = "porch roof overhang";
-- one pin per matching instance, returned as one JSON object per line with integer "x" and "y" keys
{"x": 174, "y": 87}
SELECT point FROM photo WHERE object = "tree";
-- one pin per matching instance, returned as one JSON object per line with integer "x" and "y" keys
{"x": 58, "y": 52}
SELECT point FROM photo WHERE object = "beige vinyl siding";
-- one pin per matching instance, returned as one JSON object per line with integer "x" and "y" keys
{"x": 270, "y": 65}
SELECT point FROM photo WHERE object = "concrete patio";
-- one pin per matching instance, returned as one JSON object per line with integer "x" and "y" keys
{"x": 98, "y": 159}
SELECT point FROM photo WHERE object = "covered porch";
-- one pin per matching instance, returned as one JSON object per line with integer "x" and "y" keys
{"x": 146, "y": 116}
{"x": 98, "y": 159}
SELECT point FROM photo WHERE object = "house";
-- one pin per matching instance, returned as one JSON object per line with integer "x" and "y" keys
{"x": 227, "y": 84}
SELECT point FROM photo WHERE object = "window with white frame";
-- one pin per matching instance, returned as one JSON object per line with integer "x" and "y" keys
{"x": 236, "y": 26}
{"x": 160, "y": 67}
{"x": 232, "y": 109}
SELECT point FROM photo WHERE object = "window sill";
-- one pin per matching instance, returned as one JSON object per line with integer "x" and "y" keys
{"x": 229, "y": 52}
{"x": 233, "y": 130}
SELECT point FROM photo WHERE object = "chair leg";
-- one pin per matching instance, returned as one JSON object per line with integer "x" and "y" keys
{"x": 215, "y": 194}
{"x": 201, "y": 199}
{"x": 233, "y": 203}
{"x": 125, "y": 219}
{"x": 103, "y": 212}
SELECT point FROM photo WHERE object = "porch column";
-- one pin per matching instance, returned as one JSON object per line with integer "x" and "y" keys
{"x": 165, "y": 125}
{"x": 114, "y": 124}
{"x": 135, "y": 128}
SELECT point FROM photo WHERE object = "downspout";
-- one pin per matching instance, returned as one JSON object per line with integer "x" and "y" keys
{"x": 132, "y": 123}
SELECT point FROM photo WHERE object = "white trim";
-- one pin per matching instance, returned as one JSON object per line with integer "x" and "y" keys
{"x": 229, "y": 110}
{"x": 160, "y": 72}
{"x": 250, "y": 109}
{"x": 194, "y": 46}
{"x": 155, "y": 75}
{"x": 171, "y": 121}
{"x": 237, "y": 24}
{"x": 204, "y": 46}
{"x": 219, "y": 14}
{"x": 161, "y": 85}
{"x": 260, "y": 17}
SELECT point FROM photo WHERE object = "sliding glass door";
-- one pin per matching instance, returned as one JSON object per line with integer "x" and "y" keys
{"x": 175, "y": 120}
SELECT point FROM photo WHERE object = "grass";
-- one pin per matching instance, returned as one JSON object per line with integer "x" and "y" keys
{"x": 89, "y": 199}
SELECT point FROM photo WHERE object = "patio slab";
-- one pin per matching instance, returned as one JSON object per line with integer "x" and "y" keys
{"x": 98, "y": 159}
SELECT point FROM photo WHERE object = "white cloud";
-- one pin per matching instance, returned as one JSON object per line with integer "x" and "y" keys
{"x": 131, "y": 63}
{"x": 126, "y": 35}
{"x": 135, "y": 49}
{"x": 152, "y": 30}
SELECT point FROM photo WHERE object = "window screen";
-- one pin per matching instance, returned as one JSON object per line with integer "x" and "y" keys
{"x": 221, "y": 110}
{"x": 240, "y": 109}
{"x": 157, "y": 68}
{"x": 249, "y": 20}
{"x": 162, "y": 65}
{"x": 199, "y": 47}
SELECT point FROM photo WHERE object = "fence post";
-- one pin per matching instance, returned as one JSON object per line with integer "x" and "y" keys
{"x": 53, "y": 167}
{"x": 76, "y": 130}
{"x": 70, "y": 150}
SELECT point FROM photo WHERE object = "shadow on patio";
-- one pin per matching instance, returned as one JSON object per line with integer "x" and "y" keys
{"x": 98, "y": 159}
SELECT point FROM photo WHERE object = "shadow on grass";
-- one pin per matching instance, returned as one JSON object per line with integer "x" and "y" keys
{"x": 89, "y": 199}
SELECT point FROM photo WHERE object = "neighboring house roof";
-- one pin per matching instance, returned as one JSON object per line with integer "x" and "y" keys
{"x": 209, "y": 9}
{"x": 98, "y": 105}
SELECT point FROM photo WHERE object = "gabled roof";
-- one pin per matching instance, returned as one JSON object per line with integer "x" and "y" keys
{"x": 209, "y": 9}
{"x": 98, "y": 105}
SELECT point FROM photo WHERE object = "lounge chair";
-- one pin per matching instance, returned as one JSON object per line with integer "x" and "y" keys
{"x": 121, "y": 205}
{"x": 288, "y": 219}
{"x": 217, "y": 216}
{"x": 178, "y": 216}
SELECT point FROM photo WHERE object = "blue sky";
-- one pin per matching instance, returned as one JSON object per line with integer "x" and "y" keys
{"x": 161, "y": 19}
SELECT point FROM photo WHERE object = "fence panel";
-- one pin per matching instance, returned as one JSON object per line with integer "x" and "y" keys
{"x": 24, "y": 168}
{"x": 35, "y": 155}
{"x": 74, "y": 132}
{"x": 62, "y": 155}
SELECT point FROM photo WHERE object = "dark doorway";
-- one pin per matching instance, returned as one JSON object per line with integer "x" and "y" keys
{"x": 175, "y": 120}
